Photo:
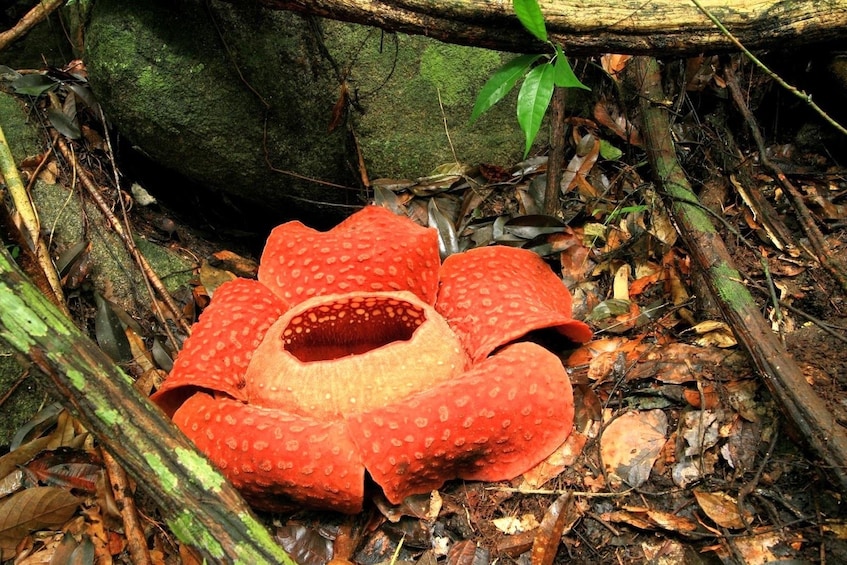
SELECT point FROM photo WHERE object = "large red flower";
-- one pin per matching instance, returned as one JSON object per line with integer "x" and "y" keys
{"x": 356, "y": 350}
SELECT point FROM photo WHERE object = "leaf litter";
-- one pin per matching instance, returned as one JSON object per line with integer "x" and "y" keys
{"x": 678, "y": 450}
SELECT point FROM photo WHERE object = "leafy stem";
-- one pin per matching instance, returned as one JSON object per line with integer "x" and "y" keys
{"x": 542, "y": 73}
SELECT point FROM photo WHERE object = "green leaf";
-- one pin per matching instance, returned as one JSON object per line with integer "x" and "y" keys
{"x": 529, "y": 13}
{"x": 609, "y": 151}
{"x": 501, "y": 82}
{"x": 533, "y": 101}
{"x": 564, "y": 73}
{"x": 33, "y": 85}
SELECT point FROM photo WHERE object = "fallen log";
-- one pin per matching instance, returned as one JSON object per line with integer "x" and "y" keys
{"x": 590, "y": 27}
{"x": 806, "y": 411}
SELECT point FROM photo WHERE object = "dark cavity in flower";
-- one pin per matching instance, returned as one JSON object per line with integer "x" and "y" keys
{"x": 350, "y": 326}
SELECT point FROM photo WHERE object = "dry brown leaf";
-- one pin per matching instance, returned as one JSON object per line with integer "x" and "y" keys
{"x": 613, "y": 63}
{"x": 632, "y": 443}
{"x": 549, "y": 536}
{"x": 240, "y": 266}
{"x": 212, "y": 277}
{"x": 564, "y": 456}
{"x": 671, "y": 522}
{"x": 511, "y": 525}
{"x": 466, "y": 552}
{"x": 722, "y": 509}
{"x": 610, "y": 116}
{"x": 707, "y": 398}
{"x": 31, "y": 510}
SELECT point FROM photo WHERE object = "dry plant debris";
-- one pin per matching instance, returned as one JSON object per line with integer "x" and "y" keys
{"x": 677, "y": 451}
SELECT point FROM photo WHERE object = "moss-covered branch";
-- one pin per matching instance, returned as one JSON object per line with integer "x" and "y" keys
{"x": 200, "y": 507}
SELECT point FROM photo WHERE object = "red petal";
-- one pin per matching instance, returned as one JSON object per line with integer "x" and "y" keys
{"x": 222, "y": 342}
{"x": 372, "y": 250}
{"x": 275, "y": 458}
{"x": 492, "y": 423}
{"x": 494, "y": 295}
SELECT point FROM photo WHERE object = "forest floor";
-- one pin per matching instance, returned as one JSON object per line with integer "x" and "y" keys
{"x": 679, "y": 454}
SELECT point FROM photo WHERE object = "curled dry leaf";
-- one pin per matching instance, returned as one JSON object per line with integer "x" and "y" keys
{"x": 564, "y": 456}
{"x": 649, "y": 519}
{"x": 511, "y": 525}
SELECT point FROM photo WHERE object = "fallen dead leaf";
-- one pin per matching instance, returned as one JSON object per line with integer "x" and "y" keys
{"x": 632, "y": 443}
{"x": 722, "y": 509}
{"x": 549, "y": 536}
{"x": 31, "y": 510}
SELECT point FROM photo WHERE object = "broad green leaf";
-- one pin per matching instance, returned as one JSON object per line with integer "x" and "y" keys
{"x": 529, "y": 13}
{"x": 33, "y": 85}
{"x": 565, "y": 76}
{"x": 501, "y": 82}
{"x": 533, "y": 100}
{"x": 609, "y": 151}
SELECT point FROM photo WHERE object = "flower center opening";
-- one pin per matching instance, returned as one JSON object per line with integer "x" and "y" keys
{"x": 350, "y": 326}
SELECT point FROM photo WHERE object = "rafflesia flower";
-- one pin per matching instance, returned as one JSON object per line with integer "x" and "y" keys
{"x": 356, "y": 350}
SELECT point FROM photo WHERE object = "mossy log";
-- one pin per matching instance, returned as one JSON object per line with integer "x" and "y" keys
{"x": 806, "y": 411}
{"x": 200, "y": 507}
{"x": 659, "y": 27}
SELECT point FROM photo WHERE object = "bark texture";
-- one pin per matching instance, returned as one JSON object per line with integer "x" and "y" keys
{"x": 585, "y": 27}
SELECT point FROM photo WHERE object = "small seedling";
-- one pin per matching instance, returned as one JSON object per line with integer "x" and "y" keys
{"x": 541, "y": 73}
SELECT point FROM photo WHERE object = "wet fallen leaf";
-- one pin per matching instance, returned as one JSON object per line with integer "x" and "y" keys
{"x": 109, "y": 331}
{"x": 304, "y": 544}
{"x": 46, "y": 418}
{"x": 74, "y": 265}
{"x": 448, "y": 242}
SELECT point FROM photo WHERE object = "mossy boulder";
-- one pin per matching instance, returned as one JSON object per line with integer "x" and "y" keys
{"x": 67, "y": 220}
{"x": 244, "y": 100}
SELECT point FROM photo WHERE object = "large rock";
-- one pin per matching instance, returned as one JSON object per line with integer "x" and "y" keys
{"x": 210, "y": 92}
{"x": 66, "y": 220}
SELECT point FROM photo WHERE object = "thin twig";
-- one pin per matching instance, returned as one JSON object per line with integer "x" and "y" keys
{"x": 446, "y": 129}
{"x": 38, "y": 14}
{"x": 155, "y": 306}
{"x": 13, "y": 388}
{"x": 136, "y": 540}
{"x": 116, "y": 224}
{"x": 819, "y": 245}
